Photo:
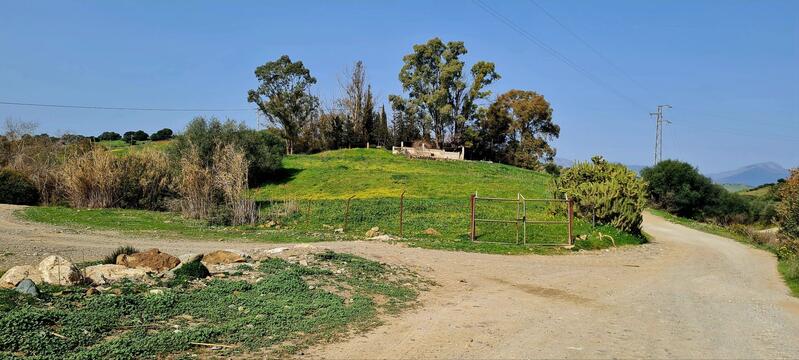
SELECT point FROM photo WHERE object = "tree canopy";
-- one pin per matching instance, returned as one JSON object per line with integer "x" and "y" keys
{"x": 284, "y": 97}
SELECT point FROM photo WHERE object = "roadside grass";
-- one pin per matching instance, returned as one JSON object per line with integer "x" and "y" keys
{"x": 308, "y": 201}
{"x": 788, "y": 264}
{"x": 288, "y": 307}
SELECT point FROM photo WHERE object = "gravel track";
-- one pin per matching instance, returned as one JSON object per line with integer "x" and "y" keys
{"x": 687, "y": 294}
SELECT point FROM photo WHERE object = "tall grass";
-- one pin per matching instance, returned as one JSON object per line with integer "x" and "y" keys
{"x": 194, "y": 186}
{"x": 230, "y": 178}
{"x": 91, "y": 180}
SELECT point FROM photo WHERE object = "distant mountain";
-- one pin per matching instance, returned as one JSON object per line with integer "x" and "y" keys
{"x": 752, "y": 175}
{"x": 564, "y": 162}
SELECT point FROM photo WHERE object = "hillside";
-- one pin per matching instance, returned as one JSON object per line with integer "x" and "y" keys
{"x": 374, "y": 173}
{"x": 752, "y": 175}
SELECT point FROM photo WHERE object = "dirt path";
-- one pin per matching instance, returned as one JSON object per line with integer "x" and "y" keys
{"x": 686, "y": 295}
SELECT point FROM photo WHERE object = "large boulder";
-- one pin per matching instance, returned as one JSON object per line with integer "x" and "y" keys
{"x": 16, "y": 274}
{"x": 59, "y": 271}
{"x": 221, "y": 257}
{"x": 151, "y": 260}
{"x": 109, "y": 273}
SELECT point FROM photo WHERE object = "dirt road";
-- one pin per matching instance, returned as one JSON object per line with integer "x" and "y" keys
{"x": 686, "y": 295}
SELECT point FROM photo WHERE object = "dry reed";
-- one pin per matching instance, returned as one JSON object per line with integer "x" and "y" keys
{"x": 91, "y": 180}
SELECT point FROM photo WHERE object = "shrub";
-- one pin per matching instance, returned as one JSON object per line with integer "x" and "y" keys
{"x": 109, "y": 136}
{"x": 40, "y": 158}
{"x": 16, "y": 188}
{"x": 215, "y": 192}
{"x": 112, "y": 257}
{"x": 163, "y": 134}
{"x": 192, "y": 270}
{"x": 605, "y": 193}
{"x": 145, "y": 180}
{"x": 678, "y": 188}
{"x": 788, "y": 209}
{"x": 263, "y": 150}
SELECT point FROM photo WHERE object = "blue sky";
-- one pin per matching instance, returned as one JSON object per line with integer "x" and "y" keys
{"x": 730, "y": 68}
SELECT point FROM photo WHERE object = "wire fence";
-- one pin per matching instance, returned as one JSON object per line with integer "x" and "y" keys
{"x": 413, "y": 217}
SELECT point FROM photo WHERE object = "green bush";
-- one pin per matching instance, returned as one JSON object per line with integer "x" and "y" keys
{"x": 605, "y": 193}
{"x": 788, "y": 208}
{"x": 263, "y": 150}
{"x": 192, "y": 270}
{"x": 679, "y": 188}
{"x": 17, "y": 189}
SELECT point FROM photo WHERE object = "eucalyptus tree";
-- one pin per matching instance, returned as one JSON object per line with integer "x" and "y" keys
{"x": 433, "y": 76}
{"x": 284, "y": 96}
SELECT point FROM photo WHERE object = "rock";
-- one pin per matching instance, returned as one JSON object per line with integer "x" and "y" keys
{"x": 59, "y": 271}
{"x": 187, "y": 258}
{"x": 156, "y": 291}
{"x": 152, "y": 260}
{"x": 16, "y": 274}
{"x": 27, "y": 287}
{"x": 375, "y": 231}
{"x": 223, "y": 257}
{"x": 339, "y": 231}
{"x": 431, "y": 232}
{"x": 381, "y": 238}
{"x": 108, "y": 273}
{"x": 276, "y": 250}
{"x": 91, "y": 291}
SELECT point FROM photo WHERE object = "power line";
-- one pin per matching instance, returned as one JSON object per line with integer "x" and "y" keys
{"x": 120, "y": 108}
{"x": 552, "y": 51}
{"x": 589, "y": 46}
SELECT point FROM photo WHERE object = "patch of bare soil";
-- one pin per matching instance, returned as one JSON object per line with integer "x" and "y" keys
{"x": 686, "y": 295}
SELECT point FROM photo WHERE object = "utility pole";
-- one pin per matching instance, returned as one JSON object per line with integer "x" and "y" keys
{"x": 659, "y": 132}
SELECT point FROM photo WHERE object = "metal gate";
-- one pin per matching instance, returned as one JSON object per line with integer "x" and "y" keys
{"x": 521, "y": 221}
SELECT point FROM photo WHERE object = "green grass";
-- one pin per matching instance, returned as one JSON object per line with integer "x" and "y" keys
{"x": 308, "y": 202}
{"x": 159, "y": 224}
{"x": 291, "y": 307}
{"x": 373, "y": 173}
{"x": 788, "y": 266}
{"x": 121, "y": 148}
{"x": 734, "y": 188}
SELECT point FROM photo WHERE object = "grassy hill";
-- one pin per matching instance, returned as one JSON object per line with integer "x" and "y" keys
{"x": 375, "y": 173}
{"x": 308, "y": 201}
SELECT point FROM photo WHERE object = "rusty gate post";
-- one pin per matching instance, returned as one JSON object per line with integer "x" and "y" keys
{"x": 571, "y": 221}
{"x": 347, "y": 212}
{"x": 471, "y": 216}
{"x": 402, "y": 209}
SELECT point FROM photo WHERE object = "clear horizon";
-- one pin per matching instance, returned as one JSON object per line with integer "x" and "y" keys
{"x": 728, "y": 68}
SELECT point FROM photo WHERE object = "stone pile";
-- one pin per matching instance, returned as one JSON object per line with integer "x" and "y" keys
{"x": 140, "y": 266}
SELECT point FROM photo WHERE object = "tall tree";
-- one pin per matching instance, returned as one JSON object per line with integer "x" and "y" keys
{"x": 366, "y": 129}
{"x": 284, "y": 97}
{"x": 403, "y": 120}
{"x": 433, "y": 77}
{"x": 383, "y": 135}
{"x": 353, "y": 103}
{"x": 519, "y": 126}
